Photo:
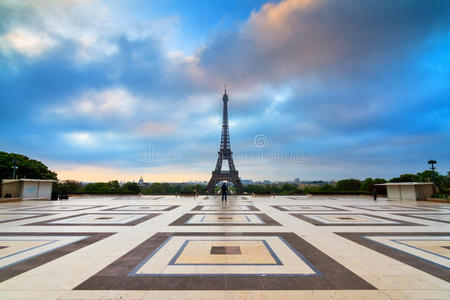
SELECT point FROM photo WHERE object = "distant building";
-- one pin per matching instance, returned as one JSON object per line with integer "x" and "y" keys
{"x": 141, "y": 181}
{"x": 297, "y": 180}
{"x": 246, "y": 181}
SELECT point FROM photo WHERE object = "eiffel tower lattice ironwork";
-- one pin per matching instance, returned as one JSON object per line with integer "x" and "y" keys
{"x": 225, "y": 154}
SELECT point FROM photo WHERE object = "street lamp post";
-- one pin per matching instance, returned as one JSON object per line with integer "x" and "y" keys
{"x": 432, "y": 162}
{"x": 14, "y": 167}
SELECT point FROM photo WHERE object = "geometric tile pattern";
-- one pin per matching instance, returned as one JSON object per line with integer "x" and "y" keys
{"x": 444, "y": 218}
{"x": 225, "y": 219}
{"x": 20, "y": 252}
{"x": 98, "y": 219}
{"x": 214, "y": 203}
{"x": 225, "y": 208}
{"x": 306, "y": 208}
{"x": 143, "y": 208}
{"x": 236, "y": 253}
{"x": 254, "y": 261}
{"x": 140, "y": 198}
{"x": 438, "y": 206}
{"x": 6, "y": 207}
{"x": 9, "y": 217}
{"x": 344, "y": 219}
{"x": 389, "y": 208}
{"x": 59, "y": 207}
{"x": 428, "y": 251}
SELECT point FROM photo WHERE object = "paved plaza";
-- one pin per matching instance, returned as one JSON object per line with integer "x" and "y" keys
{"x": 162, "y": 247}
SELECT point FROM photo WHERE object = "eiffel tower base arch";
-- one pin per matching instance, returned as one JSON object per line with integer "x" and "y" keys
{"x": 218, "y": 176}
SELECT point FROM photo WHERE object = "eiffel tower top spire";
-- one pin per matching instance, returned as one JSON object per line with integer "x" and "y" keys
{"x": 225, "y": 96}
{"x": 225, "y": 139}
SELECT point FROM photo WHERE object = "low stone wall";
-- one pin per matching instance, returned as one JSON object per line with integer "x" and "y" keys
{"x": 441, "y": 200}
{"x": 4, "y": 200}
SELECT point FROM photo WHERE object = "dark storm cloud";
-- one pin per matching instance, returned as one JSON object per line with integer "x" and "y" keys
{"x": 328, "y": 39}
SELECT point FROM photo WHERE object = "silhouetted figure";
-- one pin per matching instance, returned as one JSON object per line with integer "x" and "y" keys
{"x": 195, "y": 193}
{"x": 224, "y": 189}
{"x": 375, "y": 194}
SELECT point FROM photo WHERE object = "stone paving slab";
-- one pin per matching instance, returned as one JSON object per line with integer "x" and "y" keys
{"x": 164, "y": 247}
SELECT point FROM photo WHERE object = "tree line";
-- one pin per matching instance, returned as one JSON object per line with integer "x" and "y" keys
{"x": 30, "y": 168}
{"x": 345, "y": 186}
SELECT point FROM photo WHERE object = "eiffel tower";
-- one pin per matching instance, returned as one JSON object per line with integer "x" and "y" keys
{"x": 225, "y": 153}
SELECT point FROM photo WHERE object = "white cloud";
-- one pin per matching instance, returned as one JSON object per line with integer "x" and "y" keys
{"x": 26, "y": 42}
{"x": 155, "y": 129}
{"x": 82, "y": 139}
{"x": 98, "y": 140}
{"x": 114, "y": 102}
{"x": 92, "y": 27}
{"x": 41, "y": 25}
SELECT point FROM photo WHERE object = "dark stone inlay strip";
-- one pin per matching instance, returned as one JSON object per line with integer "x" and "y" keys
{"x": 424, "y": 217}
{"x": 225, "y": 250}
{"x": 413, "y": 261}
{"x": 279, "y": 207}
{"x": 400, "y": 208}
{"x": 24, "y": 266}
{"x": 334, "y": 275}
{"x": 31, "y": 216}
{"x": 144, "y": 218}
{"x": 268, "y": 221}
{"x": 45, "y": 208}
{"x": 137, "y": 209}
{"x": 305, "y": 217}
{"x": 250, "y": 208}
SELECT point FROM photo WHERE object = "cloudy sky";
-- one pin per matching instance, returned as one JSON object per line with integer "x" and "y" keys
{"x": 102, "y": 90}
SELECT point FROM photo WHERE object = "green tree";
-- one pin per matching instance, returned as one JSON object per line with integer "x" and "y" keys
{"x": 114, "y": 186}
{"x": 367, "y": 184}
{"x": 348, "y": 185}
{"x": 97, "y": 188}
{"x": 447, "y": 180}
{"x": 404, "y": 178}
{"x": 427, "y": 176}
{"x": 27, "y": 168}
{"x": 326, "y": 188}
{"x": 201, "y": 188}
{"x": 166, "y": 188}
{"x": 68, "y": 187}
{"x": 311, "y": 189}
{"x": 286, "y": 189}
{"x": 130, "y": 188}
{"x": 379, "y": 181}
{"x": 154, "y": 189}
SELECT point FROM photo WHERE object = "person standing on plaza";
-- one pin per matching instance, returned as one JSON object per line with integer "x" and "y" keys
{"x": 224, "y": 190}
{"x": 375, "y": 194}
